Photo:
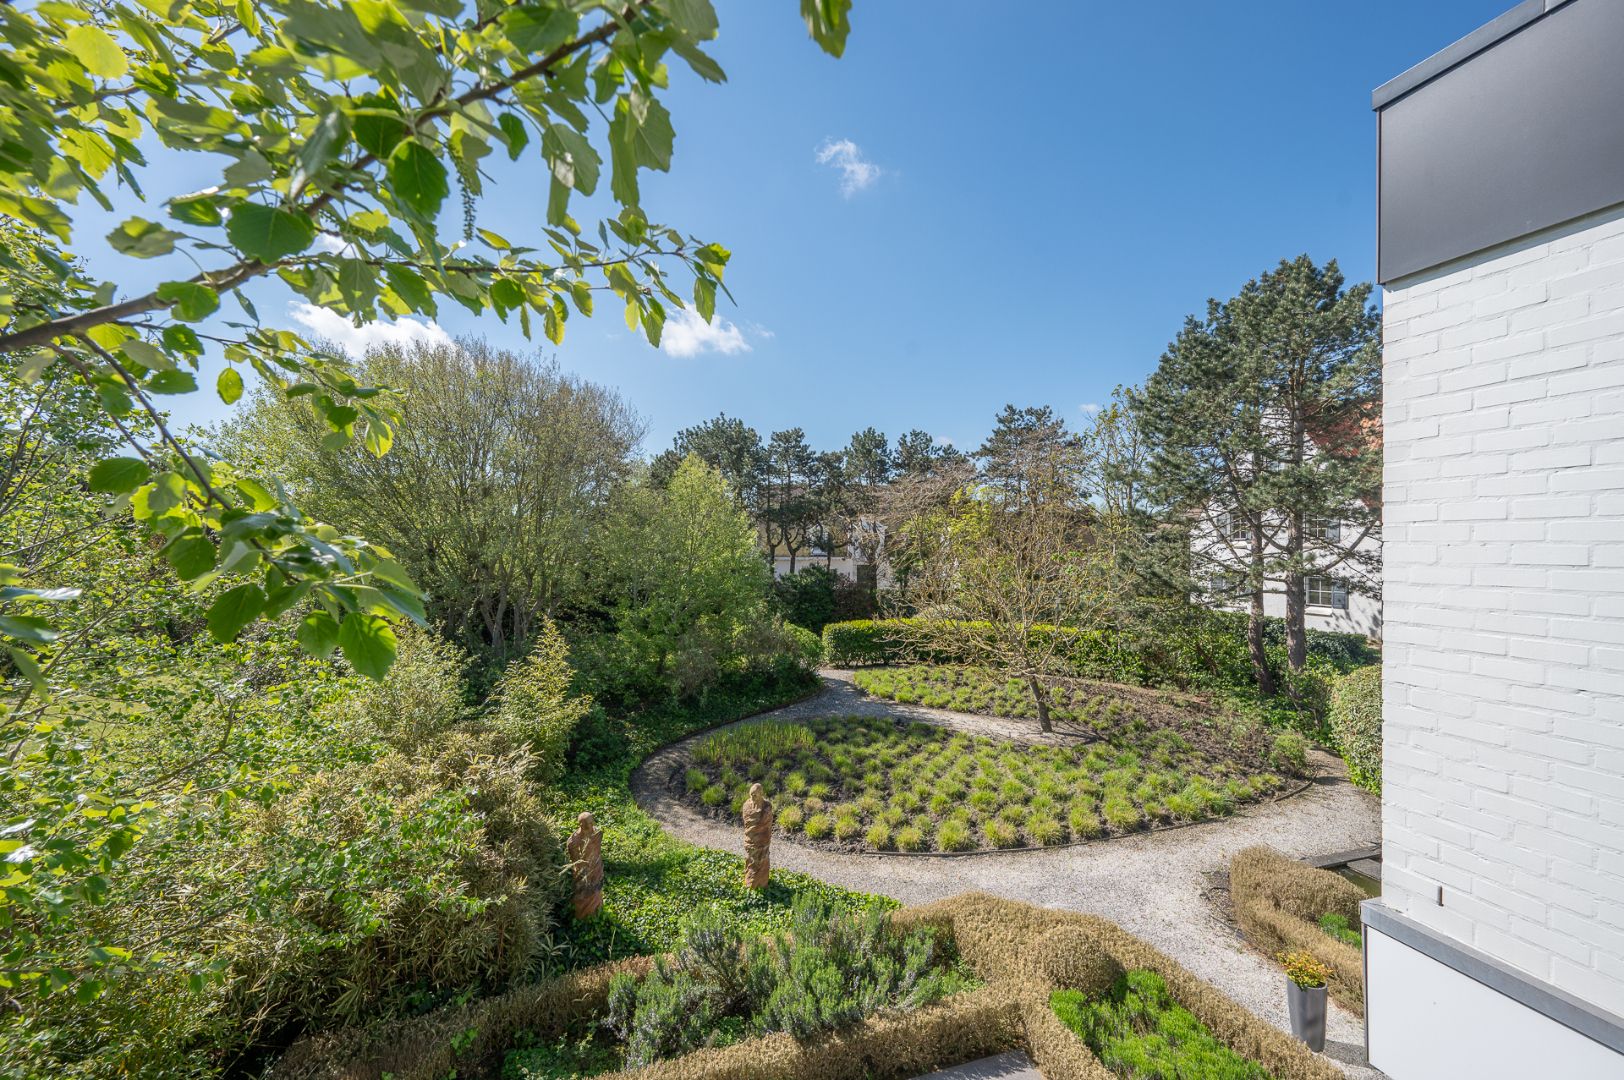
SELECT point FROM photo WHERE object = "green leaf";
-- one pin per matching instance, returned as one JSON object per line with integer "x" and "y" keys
{"x": 318, "y": 634}
{"x": 513, "y": 129}
{"x": 191, "y": 554}
{"x": 182, "y": 339}
{"x": 142, "y": 239}
{"x": 697, "y": 18}
{"x": 199, "y": 209}
{"x": 190, "y": 301}
{"x": 98, "y": 52}
{"x": 368, "y": 643}
{"x": 146, "y": 355}
{"x": 119, "y": 474}
{"x": 269, "y": 234}
{"x": 410, "y": 287}
{"x": 828, "y": 21}
{"x": 418, "y": 178}
{"x": 233, "y": 610}
{"x": 378, "y": 125}
{"x": 538, "y": 31}
{"x": 30, "y": 628}
{"x": 173, "y": 381}
{"x": 229, "y": 385}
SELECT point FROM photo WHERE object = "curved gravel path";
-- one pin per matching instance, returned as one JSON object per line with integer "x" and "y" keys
{"x": 1153, "y": 884}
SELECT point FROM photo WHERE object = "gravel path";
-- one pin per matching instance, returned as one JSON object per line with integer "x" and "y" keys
{"x": 1153, "y": 884}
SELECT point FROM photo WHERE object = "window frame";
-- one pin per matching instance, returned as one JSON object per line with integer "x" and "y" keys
{"x": 1324, "y": 585}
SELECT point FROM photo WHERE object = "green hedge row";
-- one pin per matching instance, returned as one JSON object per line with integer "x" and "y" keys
{"x": 1188, "y": 647}
{"x": 1356, "y": 722}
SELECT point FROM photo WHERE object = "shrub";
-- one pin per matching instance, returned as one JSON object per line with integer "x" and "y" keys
{"x": 421, "y": 696}
{"x": 1336, "y": 926}
{"x": 1068, "y": 958}
{"x": 805, "y": 645}
{"x": 854, "y": 644}
{"x": 807, "y": 597}
{"x": 1288, "y": 752}
{"x": 533, "y": 706}
{"x": 826, "y": 971}
{"x": 1356, "y": 724}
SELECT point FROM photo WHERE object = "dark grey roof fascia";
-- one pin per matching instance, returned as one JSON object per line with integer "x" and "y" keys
{"x": 1484, "y": 37}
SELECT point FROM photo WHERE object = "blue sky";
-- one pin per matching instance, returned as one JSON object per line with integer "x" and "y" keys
{"x": 1008, "y": 210}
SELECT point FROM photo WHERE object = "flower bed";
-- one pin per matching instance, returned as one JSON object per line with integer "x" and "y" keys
{"x": 1283, "y": 905}
{"x": 1022, "y": 954}
{"x": 1137, "y": 1030}
{"x": 862, "y": 783}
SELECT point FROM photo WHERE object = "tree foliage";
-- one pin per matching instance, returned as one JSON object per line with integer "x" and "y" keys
{"x": 490, "y": 493}
{"x": 327, "y": 138}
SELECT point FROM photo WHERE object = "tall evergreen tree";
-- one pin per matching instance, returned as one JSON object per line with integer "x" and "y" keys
{"x": 1032, "y": 456}
{"x": 790, "y": 508}
{"x": 728, "y": 445}
{"x": 919, "y": 454}
{"x": 1260, "y": 419}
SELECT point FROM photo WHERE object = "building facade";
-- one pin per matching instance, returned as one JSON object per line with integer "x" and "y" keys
{"x": 1497, "y": 946}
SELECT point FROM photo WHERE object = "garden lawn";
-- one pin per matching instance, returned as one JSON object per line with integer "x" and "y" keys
{"x": 867, "y": 783}
{"x": 652, "y": 881}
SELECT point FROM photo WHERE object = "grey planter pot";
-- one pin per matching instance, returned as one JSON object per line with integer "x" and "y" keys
{"x": 1307, "y": 1008}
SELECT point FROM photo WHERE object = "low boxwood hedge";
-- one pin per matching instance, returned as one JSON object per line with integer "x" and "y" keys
{"x": 1007, "y": 943}
{"x": 1279, "y": 903}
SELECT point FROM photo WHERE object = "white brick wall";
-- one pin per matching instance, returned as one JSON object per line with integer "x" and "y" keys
{"x": 1504, "y": 589}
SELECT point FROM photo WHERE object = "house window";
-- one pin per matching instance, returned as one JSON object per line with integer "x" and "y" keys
{"x": 1233, "y": 527}
{"x": 1325, "y": 529}
{"x": 1327, "y": 592}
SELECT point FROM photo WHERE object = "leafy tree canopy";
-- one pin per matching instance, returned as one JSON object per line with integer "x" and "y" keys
{"x": 328, "y": 137}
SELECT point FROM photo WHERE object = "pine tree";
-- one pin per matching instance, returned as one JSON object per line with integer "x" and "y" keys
{"x": 1260, "y": 420}
{"x": 1031, "y": 455}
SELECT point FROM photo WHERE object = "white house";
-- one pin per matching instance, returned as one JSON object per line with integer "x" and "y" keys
{"x": 1345, "y": 598}
{"x": 1497, "y": 946}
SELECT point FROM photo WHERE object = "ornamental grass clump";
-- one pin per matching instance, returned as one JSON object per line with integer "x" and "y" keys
{"x": 827, "y": 970}
{"x": 866, "y": 776}
{"x": 1283, "y": 905}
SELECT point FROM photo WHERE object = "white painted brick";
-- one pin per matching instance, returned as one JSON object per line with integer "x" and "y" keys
{"x": 1504, "y": 603}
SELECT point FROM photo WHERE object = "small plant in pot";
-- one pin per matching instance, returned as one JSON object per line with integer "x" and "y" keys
{"x": 1305, "y": 997}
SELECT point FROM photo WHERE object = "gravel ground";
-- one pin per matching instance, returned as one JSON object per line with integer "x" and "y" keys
{"x": 1153, "y": 884}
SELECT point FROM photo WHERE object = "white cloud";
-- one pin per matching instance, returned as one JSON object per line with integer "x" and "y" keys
{"x": 856, "y": 173}
{"x": 1091, "y": 408}
{"x": 330, "y": 326}
{"x": 332, "y": 245}
{"x": 760, "y": 331}
{"x": 686, "y": 334}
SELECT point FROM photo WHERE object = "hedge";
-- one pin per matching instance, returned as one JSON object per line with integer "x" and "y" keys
{"x": 1174, "y": 645}
{"x": 1279, "y": 902}
{"x": 1356, "y": 723}
{"x": 1023, "y": 953}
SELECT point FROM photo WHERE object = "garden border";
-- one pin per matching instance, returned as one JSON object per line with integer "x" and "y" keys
{"x": 1006, "y": 942}
{"x": 1271, "y": 894}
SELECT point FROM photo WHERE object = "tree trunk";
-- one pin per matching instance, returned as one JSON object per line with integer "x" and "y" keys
{"x": 1296, "y": 616}
{"x": 1255, "y": 619}
{"x": 1041, "y": 698}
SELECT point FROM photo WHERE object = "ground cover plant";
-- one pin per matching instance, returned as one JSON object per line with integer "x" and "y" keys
{"x": 1138, "y": 1031}
{"x": 873, "y": 784}
{"x": 826, "y": 970}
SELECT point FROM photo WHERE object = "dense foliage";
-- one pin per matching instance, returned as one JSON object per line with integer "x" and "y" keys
{"x": 1356, "y": 723}
{"x": 1140, "y": 1033}
{"x": 826, "y": 969}
{"x": 1181, "y": 646}
{"x": 867, "y": 783}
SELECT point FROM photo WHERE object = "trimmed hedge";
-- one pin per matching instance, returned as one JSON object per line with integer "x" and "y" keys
{"x": 1278, "y": 903}
{"x": 1356, "y": 723}
{"x": 1013, "y": 946}
{"x": 1187, "y": 647}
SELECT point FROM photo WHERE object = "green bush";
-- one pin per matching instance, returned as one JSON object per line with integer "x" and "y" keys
{"x": 827, "y": 970}
{"x": 1356, "y": 723}
{"x": 805, "y": 644}
{"x": 807, "y": 597}
{"x": 533, "y": 706}
{"x": 1289, "y": 753}
{"x": 1138, "y": 1030}
{"x": 421, "y": 696}
{"x": 1180, "y": 645}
